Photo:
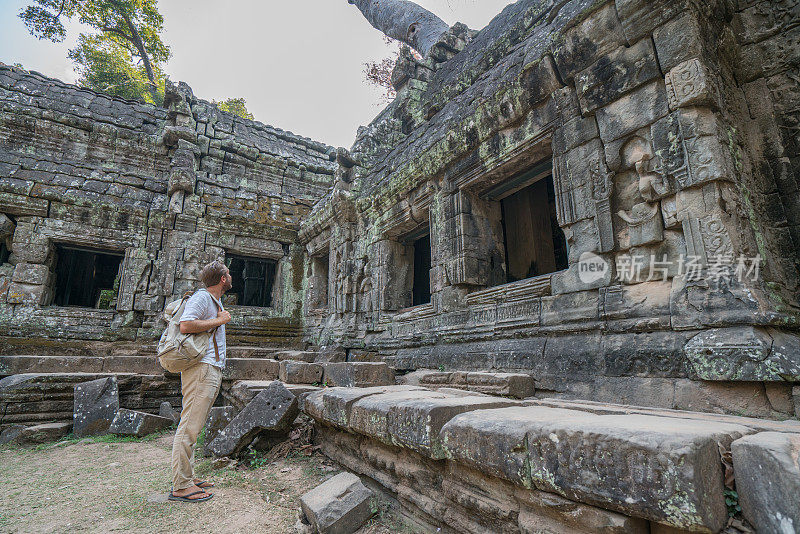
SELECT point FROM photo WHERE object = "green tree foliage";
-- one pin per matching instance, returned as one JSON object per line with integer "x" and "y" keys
{"x": 237, "y": 106}
{"x": 124, "y": 58}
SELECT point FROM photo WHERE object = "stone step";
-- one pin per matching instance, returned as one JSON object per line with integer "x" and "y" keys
{"x": 665, "y": 468}
{"x": 516, "y": 385}
{"x": 235, "y": 369}
{"x": 34, "y": 398}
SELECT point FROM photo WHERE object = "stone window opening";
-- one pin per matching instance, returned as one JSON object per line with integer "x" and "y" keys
{"x": 534, "y": 243}
{"x": 86, "y": 278}
{"x": 320, "y": 266}
{"x": 421, "y": 286}
{"x": 253, "y": 280}
{"x": 5, "y": 253}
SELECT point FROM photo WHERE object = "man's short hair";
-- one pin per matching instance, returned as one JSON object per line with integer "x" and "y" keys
{"x": 211, "y": 274}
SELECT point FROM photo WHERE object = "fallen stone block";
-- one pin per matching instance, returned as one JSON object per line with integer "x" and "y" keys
{"x": 663, "y": 469}
{"x": 273, "y": 410}
{"x": 242, "y": 392}
{"x": 36, "y": 434}
{"x": 139, "y": 424}
{"x": 218, "y": 418}
{"x": 358, "y": 374}
{"x": 166, "y": 410}
{"x": 338, "y": 506}
{"x": 96, "y": 405}
{"x": 767, "y": 468}
{"x": 293, "y": 372}
{"x": 10, "y": 433}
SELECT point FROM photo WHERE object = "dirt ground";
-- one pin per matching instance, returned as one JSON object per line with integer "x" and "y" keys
{"x": 113, "y": 485}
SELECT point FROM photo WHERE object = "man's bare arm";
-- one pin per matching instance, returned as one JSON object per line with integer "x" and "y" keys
{"x": 205, "y": 325}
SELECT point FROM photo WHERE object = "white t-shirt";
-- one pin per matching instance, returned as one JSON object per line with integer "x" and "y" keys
{"x": 201, "y": 306}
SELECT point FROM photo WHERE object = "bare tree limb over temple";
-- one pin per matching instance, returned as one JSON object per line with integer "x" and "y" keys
{"x": 405, "y": 21}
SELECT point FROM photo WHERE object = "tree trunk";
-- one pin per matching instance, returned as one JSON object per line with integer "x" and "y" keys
{"x": 137, "y": 41}
{"x": 405, "y": 21}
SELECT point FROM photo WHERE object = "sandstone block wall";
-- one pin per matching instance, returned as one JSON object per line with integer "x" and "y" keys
{"x": 168, "y": 188}
{"x": 669, "y": 136}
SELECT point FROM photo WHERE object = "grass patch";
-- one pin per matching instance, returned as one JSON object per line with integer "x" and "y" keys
{"x": 105, "y": 438}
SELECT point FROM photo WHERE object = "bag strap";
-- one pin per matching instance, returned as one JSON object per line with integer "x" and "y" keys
{"x": 214, "y": 332}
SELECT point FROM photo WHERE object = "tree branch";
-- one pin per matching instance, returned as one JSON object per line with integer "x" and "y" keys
{"x": 405, "y": 21}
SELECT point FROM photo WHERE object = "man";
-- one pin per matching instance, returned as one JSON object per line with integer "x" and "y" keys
{"x": 200, "y": 384}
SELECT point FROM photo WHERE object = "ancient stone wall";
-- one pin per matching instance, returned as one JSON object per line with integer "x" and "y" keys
{"x": 668, "y": 128}
{"x": 168, "y": 188}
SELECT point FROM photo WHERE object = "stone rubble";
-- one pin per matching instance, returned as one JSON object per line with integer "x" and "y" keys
{"x": 340, "y": 505}
{"x": 272, "y": 411}
{"x": 138, "y": 424}
{"x": 96, "y": 405}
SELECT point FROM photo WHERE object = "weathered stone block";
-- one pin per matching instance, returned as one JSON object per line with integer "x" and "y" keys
{"x": 21, "y": 293}
{"x": 744, "y": 353}
{"x": 493, "y": 440}
{"x": 273, "y": 410}
{"x": 633, "y": 111}
{"x": 615, "y": 74}
{"x": 139, "y": 424}
{"x": 692, "y": 83}
{"x": 542, "y": 512}
{"x": 295, "y": 355}
{"x": 358, "y": 374}
{"x": 30, "y": 273}
{"x": 36, "y": 434}
{"x": 338, "y": 506}
{"x": 96, "y": 405}
{"x": 768, "y": 480}
{"x": 218, "y": 418}
{"x": 293, "y": 372}
{"x": 585, "y": 43}
{"x": 677, "y": 41}
{"x": 165, "y": 409}
{"x": 415, "y": 423}
{"x": 517, "y": 385}
{"x": 662, "y": 469}
{"x": 333, "y": 405}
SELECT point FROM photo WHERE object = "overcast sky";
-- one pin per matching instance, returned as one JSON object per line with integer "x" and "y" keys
{"x": 298, "y": 63}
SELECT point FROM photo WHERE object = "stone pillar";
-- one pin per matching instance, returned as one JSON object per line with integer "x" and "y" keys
{"x": 467, "y": 246}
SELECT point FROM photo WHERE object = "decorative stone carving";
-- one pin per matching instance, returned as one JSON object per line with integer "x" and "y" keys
{"x": 692, "y": 83}
{"x": 744, "y": 353}
{"x": 644, "y": 224}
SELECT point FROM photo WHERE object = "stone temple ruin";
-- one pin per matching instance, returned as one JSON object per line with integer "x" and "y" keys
{"x": 574, "y": 237}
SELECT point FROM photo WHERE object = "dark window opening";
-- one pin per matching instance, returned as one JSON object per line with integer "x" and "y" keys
{"x": 253, "y": 279}
{"x": 421, "y": 292}
{"x": 4, "y": 253}
{"x": 86, "y": 278}
{"x": 319, "y": 279}
{"x": 534, "y": 243}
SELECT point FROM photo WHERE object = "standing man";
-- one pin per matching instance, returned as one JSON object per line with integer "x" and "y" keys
{"x": 200, "y": 383}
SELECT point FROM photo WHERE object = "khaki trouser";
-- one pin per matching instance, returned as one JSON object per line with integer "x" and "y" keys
{"x": 199, "y": 387}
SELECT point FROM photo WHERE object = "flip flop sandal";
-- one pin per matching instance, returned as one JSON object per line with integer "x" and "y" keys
{"x": 204, "y": 484}
{"x": 185, "y": 498}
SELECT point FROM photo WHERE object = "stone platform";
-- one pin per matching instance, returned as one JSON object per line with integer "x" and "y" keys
{"x": 465, "y": 463}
